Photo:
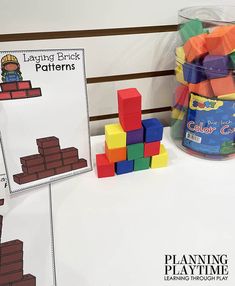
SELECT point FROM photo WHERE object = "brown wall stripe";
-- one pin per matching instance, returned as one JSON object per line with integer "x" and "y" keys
{"x": 86, "y": 33}
{"x": 115, "y": 115}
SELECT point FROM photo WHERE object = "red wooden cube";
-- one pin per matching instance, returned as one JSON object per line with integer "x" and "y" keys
{"x": 104, "y": 167}
{"x": 151, "y": 149}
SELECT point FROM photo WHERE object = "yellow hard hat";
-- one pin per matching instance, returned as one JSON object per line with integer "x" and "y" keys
{"x": 9, "y": 59}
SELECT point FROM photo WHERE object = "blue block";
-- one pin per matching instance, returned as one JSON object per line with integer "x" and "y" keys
{"x": 194, "y": 73}
{"x": 153, "y": 130}
{"x": 124, "y": 167}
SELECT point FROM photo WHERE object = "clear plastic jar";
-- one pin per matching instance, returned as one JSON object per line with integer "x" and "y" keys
{"x": 203, "y": 113}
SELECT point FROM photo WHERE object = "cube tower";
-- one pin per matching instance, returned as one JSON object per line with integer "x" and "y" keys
{"x": 132, "y": 144}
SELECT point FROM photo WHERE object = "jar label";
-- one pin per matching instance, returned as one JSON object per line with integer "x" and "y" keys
{"x": 210, "y": 126}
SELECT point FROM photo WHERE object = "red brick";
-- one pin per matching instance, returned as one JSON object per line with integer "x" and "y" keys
{"x": 53, "y": 157}
{"x": 47, "y": 142}
{"x": 69, "y": 152}
{"x": 49, "y": 151}
{"x": 11, "y": 267}
{"x": 11, "y": 247}
{"x": 81, "y": 163}
{"x": 5, "y": 95}
{"x": 11, "y": 277}
{"x": 1, "y": 202}
{"x": 24, "y": 84}
{"x": 33, "y": 169}
{"x": 18, "y": 94}
{"x": 9, "y": 86}
{"x": 28, "y": 280}
{"x": 45, "y": 174}
{"x": 34, "y": 92}
{"x": 11, "y": 258}
{"x": 24, "y": 178}
{"x": 63, "y": 169}
{"x": 54, "y": 164}
{"x": 70, "y": 160}
{"x": 32, "y": 160}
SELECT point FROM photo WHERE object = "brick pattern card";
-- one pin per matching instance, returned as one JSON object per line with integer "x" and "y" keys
{"x": 44, "y": 118}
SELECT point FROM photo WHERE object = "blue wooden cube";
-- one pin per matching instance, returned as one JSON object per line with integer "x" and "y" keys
{"x": 124, "y": 167}
{"x": 194, "y": 72}
{"x": 153, "y": 130}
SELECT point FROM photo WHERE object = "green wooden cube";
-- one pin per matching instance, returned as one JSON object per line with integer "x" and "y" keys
{"x": 190, "y": 29}
{"x": 135, "y": 151}
{"x": 141, "y": 164}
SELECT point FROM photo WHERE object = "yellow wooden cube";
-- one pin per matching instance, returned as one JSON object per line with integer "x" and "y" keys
{"x": 179, "y": 74}
{"x": 161, "y": 160}
{"x": 115, "y": 136}
{"x": 180, "y": 54}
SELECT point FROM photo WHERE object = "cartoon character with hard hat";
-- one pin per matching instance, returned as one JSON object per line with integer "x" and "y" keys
{"x": 10, "y": 69}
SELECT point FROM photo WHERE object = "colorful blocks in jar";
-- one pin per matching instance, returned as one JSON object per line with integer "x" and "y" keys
{"x": 216, "y": 66}
{"x": 193, "y": 73}
{"x": 151, "y": 149}
{"x": 223, "y": 86}
{"x": 221, "y": 41}
{"x": 141, "y": 164}
{"x": 104, "y": 167}
{"x": 115, "y": 136}
{"x": 124, "y": 167}
{"x": 191, "y": 28}
{"x": 161, "y": 160}
{"x": 135, "y": 151}
{"x": 202, "y": 88}
{"x": 131, "y": 121}
{"x": 135, "y": 136}
{"x": 129, "y": 101}
{"x": 195, "y": 47}
{"x": 116, "y": 154}
{"x": 182, "y": 95}
{"x": 153, "y": 130}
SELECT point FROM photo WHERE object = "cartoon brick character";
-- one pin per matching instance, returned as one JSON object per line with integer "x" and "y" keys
{"x": 10, "y": 69}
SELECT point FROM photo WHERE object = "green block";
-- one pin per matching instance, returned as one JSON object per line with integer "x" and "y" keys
{"x": 135, "y": 151}
{"x": 232, "y": 60}
{"x": 141, "y": 164}
{"x": 190, "y": 29}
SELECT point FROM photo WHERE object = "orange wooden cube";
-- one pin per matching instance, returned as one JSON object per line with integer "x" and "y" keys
{"x": 223, "y": 86}
{"x": 116, "y": 154}
{"x": 202, "y": 88}
{"x": 221, "y": 41}
{"x": 195, "y": 47}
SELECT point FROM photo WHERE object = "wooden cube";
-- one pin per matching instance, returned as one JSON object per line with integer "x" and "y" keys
{"x": 115, "y": 136}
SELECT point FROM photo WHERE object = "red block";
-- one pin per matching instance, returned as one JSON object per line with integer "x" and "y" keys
{"x": 31, "y": 160}
{"x": 49, "y": 151}
{"x": 54, "y": 164}
{"x": 47, "y": 142}
{"x": 10, "y": 247}
{"x": 12, "y": 267}
{"x": 81, "y": 163}
{"x": 70, "y": 160}
{"x": 24, "y": 84}
{"x": 5, "y": 95}
{"x": 130, "y": 122}
{"x": 33, "y": 169}
{"x": 104, "y": 167}
{"x": 69, "y": 152}
{"x": 11, "y": 277}
{"x": 129, "y": 101}
{"x": 9, "y": 86}
{"x": 18, "y": 94}
{"x": 11, "y": 258}
{"x": 45, "y": 174}
{"x": 182, "y": 95}
{"x": 202, "y": 88}
{"x": 24, "y": 178}
{"x": 195, "y": 47}
{"x": 27, "y": 280}
{"x": 63, "y": 169}
{"x": 151, "y": 149}
{"x": 34, "y": 92}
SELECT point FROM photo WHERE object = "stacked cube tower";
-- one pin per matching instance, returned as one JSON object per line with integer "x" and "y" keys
{"x": 132, "y": 144}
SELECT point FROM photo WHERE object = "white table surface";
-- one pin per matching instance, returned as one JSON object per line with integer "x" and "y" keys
{"x": 116, "y": 231}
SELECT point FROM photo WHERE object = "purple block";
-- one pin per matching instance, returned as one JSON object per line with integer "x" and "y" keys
{"x": 216, "y": 66}
{"x": 135, "y": 136}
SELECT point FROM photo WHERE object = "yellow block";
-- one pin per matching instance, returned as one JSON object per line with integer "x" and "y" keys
{"x": 161, "y": 160}
{"x": 177, "y": 114}
{"x": 115, "y": 136}
{"x": 230, "y": 96}
{"x": 179, "y": 74}
{"x": 180, "y": 54}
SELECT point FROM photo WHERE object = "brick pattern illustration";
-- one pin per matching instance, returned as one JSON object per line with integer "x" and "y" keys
{"x": 18, "y": 90}
{"x": 12, "y": 264}
{"x": 132, "y": 144}
{"x": 51, "y": 160}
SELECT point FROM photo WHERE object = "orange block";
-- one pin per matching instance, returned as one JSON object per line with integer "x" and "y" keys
{"x": 195, "y": 47}
{"x": 116, "y": 154}
{"x": 223, "y": 85}
{"x": 202, "y": 88}
{"x": 221, "y": 41}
